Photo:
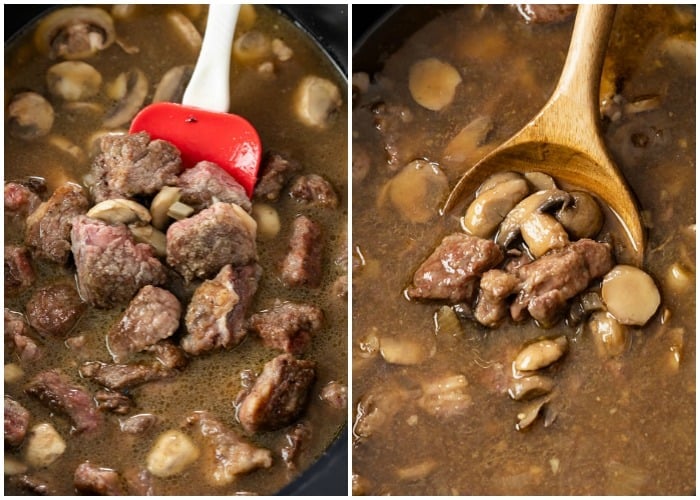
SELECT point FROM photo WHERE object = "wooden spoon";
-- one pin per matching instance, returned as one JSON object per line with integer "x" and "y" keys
{"x": 201, "y": 127}
{"x": 564, "y": 140}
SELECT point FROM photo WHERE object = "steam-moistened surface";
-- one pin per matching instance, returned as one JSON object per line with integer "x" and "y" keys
{"x": 128, "y": 352}
{"x": 507, "y": 347}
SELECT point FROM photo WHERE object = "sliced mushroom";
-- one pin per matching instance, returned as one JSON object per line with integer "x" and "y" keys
{"x": 67, "y": 146}
{"x": 433, "y": 83}
{"x": 172, "y": 86}
{"x": 135, "y": 88}
{"x": 185, "y": 29}
{"x": 151, "y": 236}
{"x": 403, "y": 351}
{"x": 630, "y": 295}
{"x": 281, "y": 50}
{"x": 29, "y": 116}
{"x": 316, "y": 100}
{"x": 252, "y": 48}
{"x": 246, "y": 219}
{"x": 490, "y": 207}
{"x": 267, "y": 219}
{"x": 541, "y": 353}
{"x": 540, "y": 201}
{"x": 179, "y": 210}
{"x": 416, "y": 191}
{"x": 609, "y": 336}
{"x": 582, "y": 217}
{"x": 468, "y": 143}
{"x": 540, "y": 181}
{"x": 530, "y": 387}
{"x": 542, "y": 233}
{"x": 161, "y": 205}
{"x": 73, "y": 80}
{"x": 530, "y": 413}
{"x": 74, "y": 32}
{"x": 120, "y": 210}
{"x": 246, "y": 18}
{"x": 496, "y": 179}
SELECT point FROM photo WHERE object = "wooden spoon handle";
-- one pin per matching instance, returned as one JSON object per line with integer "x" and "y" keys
{"x": 580, "y": 79}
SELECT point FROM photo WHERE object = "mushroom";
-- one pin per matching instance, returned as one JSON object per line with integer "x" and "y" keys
{"x": 530, "y": 387}
{"x": 267, "y": 219}
{"x": 252, "y": 47}
{"x": 542, "y": 233}
{"x": 433, "y": 83}
{"x": 467, "y": 145}
{"x": 67, "y": 146}
{"x": 540, "y": 181}
{"x": 172, "y": 86}
{"x": 171, "y": 454}
{"x": 161, "y": 204}
{"x": 630, "y": 295}
{"x": 490, "y": 207}
{"x": 404, "y": 351}
{"x": 316, "y": 100}
{"x": 73, "y": 80}
{"x": 120, "y": 210}
{"x": 74, "y": 32}
{"x": 536, "y": 202}
{"x": 29, "y": 116}
{"x": 281, "y": 50}
{"x": 416, "y": 191}
{"x": 184, "y": 27}
{"x": 609, "y": 336}
{"x": 540, "y": 353}
{"x": 582, "y": 218}
{"x": 150, "y": 235}
{"x": 132, "y": 88}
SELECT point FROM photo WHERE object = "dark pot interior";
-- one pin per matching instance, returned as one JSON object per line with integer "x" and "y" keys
{"x": 328, "y": 25}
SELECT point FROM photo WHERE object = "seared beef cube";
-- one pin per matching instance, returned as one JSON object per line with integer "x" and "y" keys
{"x": 132, "y": 165}
{"x": 315, "y": 191}
{"x": 123, "y": 376}
{"x": 216, "y": 314}
{"x": 114, "y": 402}
{"x": 452, "y": 271}
{"x": 16, "y": 422}
{"x": 199, "y": 246}
{"x": 152, "y": 315}
{"x": 55, "y": 309}
{"x": 92, "y": 480}
{"x": 49, "y": 226}
{"x": 138, "y": 424}
{"x": 20, "y": 200}
{"x": 207, "y": 181}
{"x": 275, "y": 172}
{"x": 546, "y": 14}
{"x": 19, "y": 273}
{"x": 55, "y": 390}
{"x": 168, "y": 354}
{"x": 288, "y": 326}
{"x": 111, "y": 266}
{"x": 31, "y": 483}
{"x": 17, "y": 339}
{"x": 302, "y": 264}
{"x": 295, "y": 439}
{"x": 543, "y": 287}
{"x": 279, "y": 394}
{"x": 228, "y": 454}
{"x": 139, "y": 482}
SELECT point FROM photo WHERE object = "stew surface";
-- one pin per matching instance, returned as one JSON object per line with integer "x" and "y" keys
{"x": 168, "y": 422}
{"x": 433, "y": 388}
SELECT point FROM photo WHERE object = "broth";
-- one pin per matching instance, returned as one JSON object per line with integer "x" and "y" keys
{"x": 211, "y": 381}
{"x": 619, "y": 424}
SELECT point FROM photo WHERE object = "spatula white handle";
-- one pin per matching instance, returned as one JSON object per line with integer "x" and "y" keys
{"x": 209, "y": 86}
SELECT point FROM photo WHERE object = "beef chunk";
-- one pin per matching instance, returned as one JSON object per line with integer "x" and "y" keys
{"x": 123, "y": 376}
{"x": 20, "y": 200}
{"x": 216, "y": 314}
{"x": 55, "y": 309}
{"x": 19, "y": 273}
{"x": 543, "y": 287}
{"x": 302, "y": 264}
{"x": 546, "y": 14}
{"x": 288, "y": 326}
{"x": 132, "y": 165}
{"x": 152, "y": 315}
{"x": 138, "y": 424}
{"x": 279, "y": 394}
{"x": 451, "y": 272}
{"x": 49, "y": 226}
{"x": 111, "y": 267}
{"x": 114, "y": 402}
{"x": 228, "y": 455}
{"x": 168, "y": 354}
{"x": 90, "y": 479}
{"x": 207, "y": 181}
{"x": 139, "y": 482}
{"x": 314, "y": 190}
{"x": 199, "y": 246}
{"x": 17, "y": 339}
{"x": 275, "y": 172}
{"x": 55, "y": 390}
{"x": 31, "y": 483}
{"x": 16, "y": 422}
{"x": 295, "y": 439}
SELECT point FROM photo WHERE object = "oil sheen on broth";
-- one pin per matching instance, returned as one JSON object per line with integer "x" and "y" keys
{"x": 265, "y": 75}
{"x": 433, "y": 389}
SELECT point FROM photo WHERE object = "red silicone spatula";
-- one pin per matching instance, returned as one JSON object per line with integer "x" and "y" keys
{"x": 201, "y": 127}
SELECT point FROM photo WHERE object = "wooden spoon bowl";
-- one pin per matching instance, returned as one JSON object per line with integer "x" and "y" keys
{"x": 564, "y": 139}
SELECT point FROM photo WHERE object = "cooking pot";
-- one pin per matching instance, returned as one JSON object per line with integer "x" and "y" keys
{"x": 328, "y": 25}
